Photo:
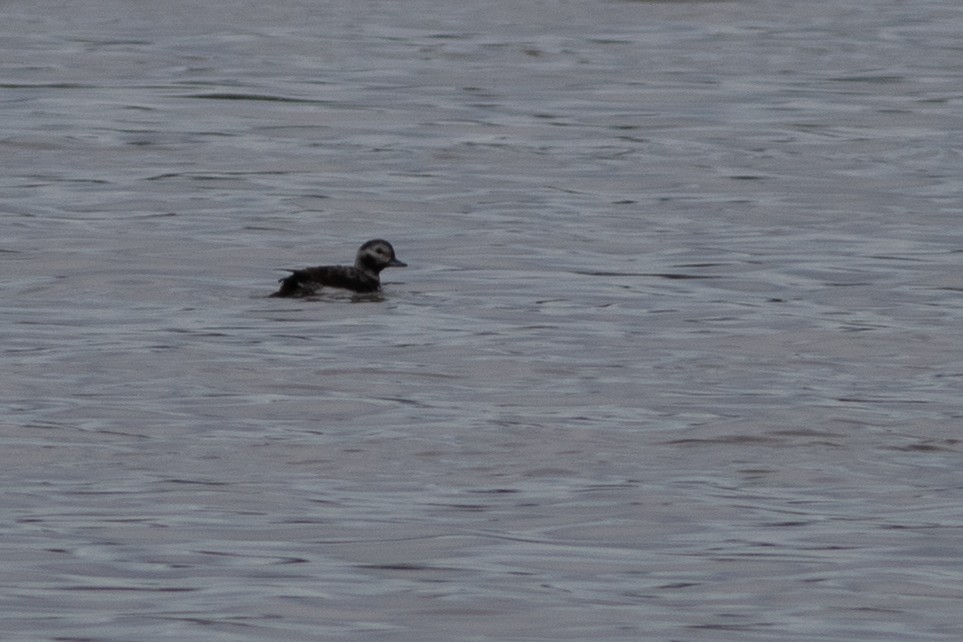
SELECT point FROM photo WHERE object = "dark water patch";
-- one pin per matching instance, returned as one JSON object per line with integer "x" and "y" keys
{"x": 948, "y": 445}
{"x": 127, "y": 588}
{"x": 254, "y": 97}
{"x": 48, "y": 85}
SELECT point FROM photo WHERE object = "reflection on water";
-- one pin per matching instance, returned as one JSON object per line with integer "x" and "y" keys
{"x": 675, "y": 357}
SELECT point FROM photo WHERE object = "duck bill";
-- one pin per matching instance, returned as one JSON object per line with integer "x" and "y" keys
{"x": 396, "y": 263}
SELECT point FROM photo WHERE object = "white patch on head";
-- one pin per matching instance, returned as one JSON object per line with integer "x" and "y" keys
{"x": 380, "y": 250}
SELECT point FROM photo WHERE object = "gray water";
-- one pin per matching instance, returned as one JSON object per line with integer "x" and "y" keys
{"x": 677, "y": 356}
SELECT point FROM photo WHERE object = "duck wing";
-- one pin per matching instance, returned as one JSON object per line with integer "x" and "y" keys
{"x": 309, "y": 280}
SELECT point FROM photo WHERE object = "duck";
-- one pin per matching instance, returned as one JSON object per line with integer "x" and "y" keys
{"x": 363, "y": 277}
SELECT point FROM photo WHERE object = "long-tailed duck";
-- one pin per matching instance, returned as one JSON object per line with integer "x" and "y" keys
{"x": 372, "y": 257}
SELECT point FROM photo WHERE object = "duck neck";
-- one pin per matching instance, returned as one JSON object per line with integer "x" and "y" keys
{"x": 369, "y": 265}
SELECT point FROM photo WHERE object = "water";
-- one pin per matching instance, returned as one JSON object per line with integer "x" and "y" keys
{"x": 677, "y": 356}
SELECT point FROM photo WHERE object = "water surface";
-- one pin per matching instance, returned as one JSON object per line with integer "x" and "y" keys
{"x": 677, "y": 356}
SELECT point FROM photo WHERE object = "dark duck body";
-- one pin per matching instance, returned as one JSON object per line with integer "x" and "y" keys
{"x": 362, "y": 277}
